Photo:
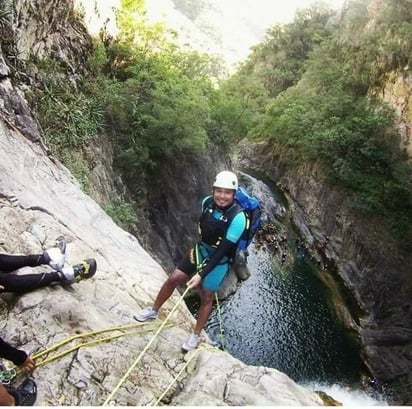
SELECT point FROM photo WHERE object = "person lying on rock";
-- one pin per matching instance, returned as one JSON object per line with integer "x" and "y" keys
{"x": 221, "y": 226}
{"x": 26, "y": 393}
{"x": 54, "y": 257}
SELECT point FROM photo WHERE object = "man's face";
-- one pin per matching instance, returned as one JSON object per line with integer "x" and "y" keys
{"x": 223, "y": 197}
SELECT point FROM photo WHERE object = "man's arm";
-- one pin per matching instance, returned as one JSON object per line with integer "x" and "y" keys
{"x": 18, "y": 357}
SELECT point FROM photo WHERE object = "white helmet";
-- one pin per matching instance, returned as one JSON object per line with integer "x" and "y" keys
{"x": 226, "y": 180}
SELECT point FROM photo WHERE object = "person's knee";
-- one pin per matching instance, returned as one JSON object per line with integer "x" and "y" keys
{"x": 5, "y": 398}
{"x": 207, "y": 297}
{"x": 177, "y": 278}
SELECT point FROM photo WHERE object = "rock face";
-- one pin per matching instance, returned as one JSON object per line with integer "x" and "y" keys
{"x": 251, "y": 386}
{"x": 61, "y": 31}
{"x": 397, "y": 93}
{"x": 371, "y": 277}
{"x": 39, "y": 201}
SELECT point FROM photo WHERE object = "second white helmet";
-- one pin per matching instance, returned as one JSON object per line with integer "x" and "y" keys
{"x": 226, "y": 180}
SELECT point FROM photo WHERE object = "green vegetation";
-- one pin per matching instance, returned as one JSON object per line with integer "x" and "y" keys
{"x": 122, "y": 214}
{"x": 71, "y": 120}
{"x": 154, "y": 101}
{"x": 7, "y": 34}
{"x": 309, "y": 89}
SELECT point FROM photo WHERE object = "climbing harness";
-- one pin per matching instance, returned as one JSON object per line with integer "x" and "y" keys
{"x": 212, "y": 230}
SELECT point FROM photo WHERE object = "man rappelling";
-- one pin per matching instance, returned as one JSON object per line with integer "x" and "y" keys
{"x": 221, "y": 226}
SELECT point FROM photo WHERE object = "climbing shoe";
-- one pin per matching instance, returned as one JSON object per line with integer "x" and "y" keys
{"x": 192, "y": 343}
{"x": 78, "y": 272}
{"x": 147, "y": 314}
{"x": 56, "y": 256}
{"x": 26, "y": 393}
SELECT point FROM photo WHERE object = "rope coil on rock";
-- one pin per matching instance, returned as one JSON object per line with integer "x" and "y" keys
{"x": 90, "y": 343}
{"x": 7, "y": 376}
{"x": 84, "y": 335}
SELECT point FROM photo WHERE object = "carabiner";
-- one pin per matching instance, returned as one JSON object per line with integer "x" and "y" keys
{"x": 7, "y": 376}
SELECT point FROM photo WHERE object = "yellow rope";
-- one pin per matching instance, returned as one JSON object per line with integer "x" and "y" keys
{"x": 222, "y": 337}
{"x": 89, "y": 343}
{"x": 181, "y": 371}
{"x": 144, "y": 350}
{"x": 85, "y": 344}
{"x": 119, "y": 328}
{"x": 87, "y": 334}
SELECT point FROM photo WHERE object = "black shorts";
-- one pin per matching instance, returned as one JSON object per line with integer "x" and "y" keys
{"x": 187, "y": 264}
{"x": 213, "y": 279}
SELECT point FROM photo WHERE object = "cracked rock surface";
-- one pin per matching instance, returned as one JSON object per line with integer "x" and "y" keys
{"x": 40, "y": 201}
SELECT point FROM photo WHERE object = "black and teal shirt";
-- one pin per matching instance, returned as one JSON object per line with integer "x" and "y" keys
{"x": 216, "y": 224}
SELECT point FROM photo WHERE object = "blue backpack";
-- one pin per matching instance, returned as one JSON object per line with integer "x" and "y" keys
{"x": 253, "y": 212}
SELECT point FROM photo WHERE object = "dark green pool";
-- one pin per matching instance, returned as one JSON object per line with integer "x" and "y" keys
{"x": 279, "y": 318}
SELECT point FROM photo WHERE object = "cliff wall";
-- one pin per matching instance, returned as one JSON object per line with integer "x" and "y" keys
{"x": 369, "y": 275}
{"x": 39, "y": 201}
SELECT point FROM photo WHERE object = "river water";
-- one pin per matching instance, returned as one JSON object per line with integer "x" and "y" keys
{"x": 280, "y": 317}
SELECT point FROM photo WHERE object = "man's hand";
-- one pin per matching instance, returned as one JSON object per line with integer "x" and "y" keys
{"x": 194, "y": 281}
{"x": 1, "y": 288}
{"x": 28, "y": 365}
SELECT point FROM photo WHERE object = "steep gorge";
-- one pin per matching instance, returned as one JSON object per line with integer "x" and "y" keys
{"x": 365, "y": 268}
{"x": 375, "y": 276}
{"x": 40, "y": 200}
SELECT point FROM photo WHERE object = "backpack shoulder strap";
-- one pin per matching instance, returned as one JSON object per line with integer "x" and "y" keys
{"x": 229, "y": 214}
{"x": 233, "y": 211}
{"x": 207, "y": 203}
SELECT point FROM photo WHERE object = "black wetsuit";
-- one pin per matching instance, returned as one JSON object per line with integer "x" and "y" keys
{"x": 12, "y": 354}
{"x": 20, "y": 284}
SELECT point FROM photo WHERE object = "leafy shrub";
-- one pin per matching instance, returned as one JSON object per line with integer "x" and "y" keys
{"x": 122, "y": 214}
